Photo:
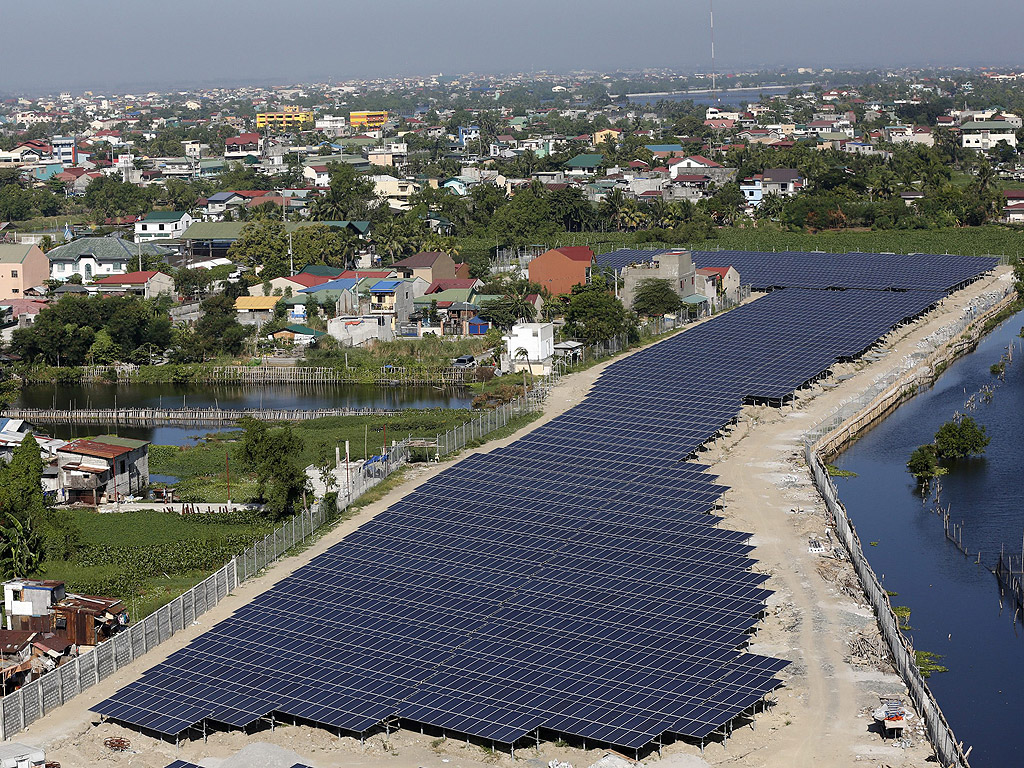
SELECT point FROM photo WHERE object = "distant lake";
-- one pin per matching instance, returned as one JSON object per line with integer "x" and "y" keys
{"x": 721, "y": 97}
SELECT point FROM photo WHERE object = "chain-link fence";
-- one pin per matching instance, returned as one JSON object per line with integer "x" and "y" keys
{"x": 37, "y": 698}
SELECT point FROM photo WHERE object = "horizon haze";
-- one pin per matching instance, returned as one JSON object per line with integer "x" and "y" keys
{"x": 204, "y": 45}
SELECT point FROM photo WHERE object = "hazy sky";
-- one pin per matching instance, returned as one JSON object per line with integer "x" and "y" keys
{"x": 144, "y": 43}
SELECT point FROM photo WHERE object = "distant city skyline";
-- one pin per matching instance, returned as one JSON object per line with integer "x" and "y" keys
{"x": 126, "y": 45}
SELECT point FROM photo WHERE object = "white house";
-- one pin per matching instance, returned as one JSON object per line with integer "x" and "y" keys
{"x": 162, "y": 225}
{"x": 986, "y": 134}
{"x": 531, "y": 347}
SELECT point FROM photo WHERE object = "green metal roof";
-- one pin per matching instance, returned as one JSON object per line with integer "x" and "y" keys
{"x": 11, "y": 253}
{"x": 159, "y": 216}
{"x": 303, "y": 330}
{"x": 586, "y": 161}
{"x": 695, "y": 299}
{"x": 232, "y": 230}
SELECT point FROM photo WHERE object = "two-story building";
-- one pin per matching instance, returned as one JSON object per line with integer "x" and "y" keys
{"x": 784, "y": 182}
{"x": 102, "y": 469}
{"x": 559, "y": 269}
{"x": 162, "y": 225}
{"x": 92, "y": 257}
{"x": 22, "y": 266}
{"x": 392, "y": 299}
{"x": 242, "y": 146}
{"x": 986, "y": 134}
{"x": 427, "y": 265}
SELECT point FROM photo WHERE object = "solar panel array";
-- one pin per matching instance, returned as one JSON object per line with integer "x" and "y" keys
{"x": 803, "y": 269}
{"x": 573, "y": 581}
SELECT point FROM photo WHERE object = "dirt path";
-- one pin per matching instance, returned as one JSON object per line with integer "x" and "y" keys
{"x": 821, "y": 717}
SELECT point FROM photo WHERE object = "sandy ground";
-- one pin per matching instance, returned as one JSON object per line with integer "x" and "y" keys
{"x": 820, "y": 717}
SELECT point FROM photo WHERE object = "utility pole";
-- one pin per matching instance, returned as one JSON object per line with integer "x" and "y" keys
{"x": 291, "y": 259}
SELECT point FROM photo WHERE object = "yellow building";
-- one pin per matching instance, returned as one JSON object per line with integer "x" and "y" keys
{"x": 367, "y": 119}
{"x": 289, "y": 117}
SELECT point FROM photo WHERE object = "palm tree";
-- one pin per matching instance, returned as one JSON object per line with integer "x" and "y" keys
{"x": 632, "y": 217}
{"x": 612, "y": 207}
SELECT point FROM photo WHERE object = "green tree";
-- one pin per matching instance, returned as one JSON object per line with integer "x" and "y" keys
{"x": 263, "y": 244}
{"x": 218, "y": 330}
{"x": 22, "y": 511}
{"x": 349, "y": 198}
{"x": 270, "y": 455}
{"x": 924, "y": 463}
{"x": 961, "y": 438}
{"x": 655, "y": 297}
{"x": 595, "y": 315}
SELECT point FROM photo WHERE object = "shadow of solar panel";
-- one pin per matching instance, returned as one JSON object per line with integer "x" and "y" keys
{"x": 576, "y": 581}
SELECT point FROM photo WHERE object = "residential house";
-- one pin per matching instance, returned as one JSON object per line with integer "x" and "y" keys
{"x": 530, "y": 347}
{"x": 986, "y": 134}
{"x": 299, "y": 335}
{"x": 676, "y": 267}
{"x": 28, "y": 603}
{"x": 585, "y": 165}
{"x": 162, "y": 225}
{"x": 392, "y": 299}
{"x": 427, "y": 265}
{"x": 148, "y": 284}
{"x": 606, "y": 134}
{"x": 255, "y": 310}
{"x": 22, "y": 266}
{"x": 784, "y": 182}
{"x": 242, "y": 146}
{"x": 93, "y": 257}
{"x": 726, "y": 282}
{"x": 317, "y": 175}
{"x": 88, "y": 620}
{"x": 393, "y": 191}
{"x": 444, "y": 284}
{"x": 559, "y": 269}
{"x": 102, "y": 468}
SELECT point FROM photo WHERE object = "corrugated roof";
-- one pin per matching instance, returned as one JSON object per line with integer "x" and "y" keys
{"x": 165, "y": 216}
{"x": 14, "y": 253}
{"x": 95, "y": 449}
{"x": 130, "y": 278}
{"x": 385, "y": 286}
{"x": 256, "y": 303}
{"x": 232, "y": 230}
{"x": 422, "y": 259}
{"x": 105, "y": 248}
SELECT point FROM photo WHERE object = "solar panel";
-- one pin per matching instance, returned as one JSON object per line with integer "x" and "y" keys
{"x": 576, "y": 580}
{"x": 809, "y": 269}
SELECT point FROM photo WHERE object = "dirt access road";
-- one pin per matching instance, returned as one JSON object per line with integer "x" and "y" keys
{"x": 821, "y": 715}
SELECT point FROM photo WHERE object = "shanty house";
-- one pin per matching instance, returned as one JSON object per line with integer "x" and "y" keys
{"x": 102, "y": 468}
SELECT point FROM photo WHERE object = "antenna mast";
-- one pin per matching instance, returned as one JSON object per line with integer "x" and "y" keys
{"x": 711, "y": 8}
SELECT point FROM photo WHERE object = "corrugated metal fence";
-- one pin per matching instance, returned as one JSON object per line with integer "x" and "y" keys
{"x": 38, "y": 698}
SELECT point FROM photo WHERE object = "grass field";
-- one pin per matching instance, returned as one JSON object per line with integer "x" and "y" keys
{"x": 202, "y": 471}
{"x": 145, "y": 558}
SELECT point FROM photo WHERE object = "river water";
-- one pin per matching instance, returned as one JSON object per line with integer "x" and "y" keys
{"x": 721, "y": 97}
{"x": 206, "y": 396}
{"x": 955, "y": 603}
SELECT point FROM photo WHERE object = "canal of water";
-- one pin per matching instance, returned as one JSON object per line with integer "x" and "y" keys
{"x": 207, "y": 396}
{"x": 955, "y": 603}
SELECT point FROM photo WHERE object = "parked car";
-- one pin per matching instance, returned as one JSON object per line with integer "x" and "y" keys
{"x": 465, "y": 361}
